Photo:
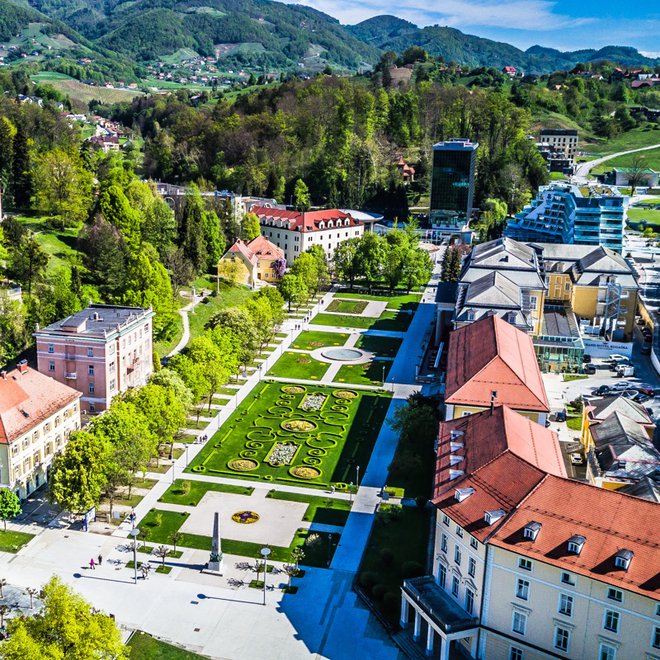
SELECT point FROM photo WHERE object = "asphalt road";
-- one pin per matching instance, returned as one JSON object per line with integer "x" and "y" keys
{"x": 582, "y": 169}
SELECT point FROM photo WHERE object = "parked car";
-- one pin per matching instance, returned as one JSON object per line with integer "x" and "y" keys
{"x": 586, "y": 358}
{"x": 590, "y": 370}
{"x": 602, "y": 390}
{"x": 617, "y": 361}
{"x": 645, "y": 389}
{"x": 560, "y": 416}
{"x": 620, "y": 386}
{"x": 624, "y": 371}
{"x": 615, "y": 357}
{"x": 576, "y": 458}
{"x": 641, "y": 397}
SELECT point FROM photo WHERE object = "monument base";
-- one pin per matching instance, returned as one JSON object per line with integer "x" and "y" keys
{"x": 214, "y": 567}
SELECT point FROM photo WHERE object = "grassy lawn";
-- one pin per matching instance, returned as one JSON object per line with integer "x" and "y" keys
{"x": 347, "y": 306}
{"x": 567, "y": 378}
{"x": 322, "y": 510}
{"x": 164, "y": 346}
{"x": 643, "y": 136}
{"x": 161, "y": 524}
{"x": 59, "y": 244}
{"x": 312, "y": 339}
{"x": 394, "y": 301}
{"x": 338, "y": 435}
{"x": 13, "y": 541}
{"x": 389, "y": 320}
{"x": 299, "y": 365}
{"x": 370, "y": 373}
{"x": 145, "y": 647}
{"x": 381, "y": 346}
{"x": 189, "y": 493}
{"x": 387, "y": 560}
{"x": 574, "y": 423}
{"x": 639, "y": 213}
{"x": 229, "y": 296}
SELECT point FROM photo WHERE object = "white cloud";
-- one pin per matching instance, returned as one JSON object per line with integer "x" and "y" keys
{"x": 535, "y": 15}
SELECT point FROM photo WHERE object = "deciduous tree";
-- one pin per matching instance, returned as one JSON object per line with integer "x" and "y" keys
{"x": 10, "y": 505}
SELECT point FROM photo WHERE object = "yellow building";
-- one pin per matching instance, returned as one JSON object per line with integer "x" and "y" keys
{"x": 246, "y": 263}
{"x": 37, "y": 416}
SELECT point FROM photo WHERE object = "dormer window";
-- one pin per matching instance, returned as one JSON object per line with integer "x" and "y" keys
{"x": 531, "y": 530}
{"x": 321, "y": 225}
{"x": 455, "y": 459}
{"x": 455, "y": 474}
{"x": 493, "y": 516}
{"x": 623, "y": 558}
{"x": 456, "y": 434}
{"x": 576, "y": 543}
{"x": 455, "y": 446}
{"x": 461, "y": 494}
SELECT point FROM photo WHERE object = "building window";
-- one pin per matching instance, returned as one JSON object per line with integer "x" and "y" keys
{"x": 522, "y": 589}
{"x": 112, "y": 385}
{"x": 562, "y": 639}
{"x": 51, "y": 348}
{"x": 90, "y": 352}
{"x": 567, "y": 578}
{"x": 655, "y": 642}
{"x": 442, "y": 575}
{"x": 515, "y": 653}
{"x": 657, "y": 609}
{"x": 457, "y": 555}
{"x": 455, "y": 584}
{"x": 92, "y": 407}
{"x": 519, "y": 623}
{"x": 525, "y": 564}
{"x": 611, "y": 621}
{"x": 472, "y": 567}
{"x": 445, "y": 520}
{"x": 51, "y": 366}
{"x": 443, "y": 543}
{"x": 459, "y": 532}
{"x": 90, "y": 370}
{"x": 565, "y": 605}
{"x": 469, "y": 601}
{"x": 91, "y": 388}
{"x": 474, "y": 543}
{"x": 606, "y": 652}
{"x": 615, "y": 594}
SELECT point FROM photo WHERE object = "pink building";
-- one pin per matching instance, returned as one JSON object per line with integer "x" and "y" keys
{"x": 100, "y": 351}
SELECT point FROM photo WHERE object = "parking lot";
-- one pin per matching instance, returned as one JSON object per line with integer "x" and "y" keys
{"x": 561, "y": 393}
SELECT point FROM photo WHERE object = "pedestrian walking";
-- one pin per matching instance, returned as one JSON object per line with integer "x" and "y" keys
{"x": 100, "y": 560}
{"x": 92, "y": 564}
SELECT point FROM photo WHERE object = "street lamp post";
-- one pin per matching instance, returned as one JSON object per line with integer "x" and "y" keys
{"x": 350, "y": 492}
{"x": 134, "y": 533}
{"x": 186, "y": 454}
{"x": 383, "y": 376}
{"x": 357, "y": 476}
{"x": 264, "y": 553}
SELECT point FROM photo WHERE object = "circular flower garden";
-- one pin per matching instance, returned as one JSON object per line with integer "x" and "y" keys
{"x": 298, "y": 425}
{"x": 245, "y": 517}
{"x": 243, "y": 464}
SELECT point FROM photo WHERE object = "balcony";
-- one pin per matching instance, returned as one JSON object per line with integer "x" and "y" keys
{"x": 70, "y": 375}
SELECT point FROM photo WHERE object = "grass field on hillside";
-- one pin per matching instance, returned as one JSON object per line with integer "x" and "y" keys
{"x": 644, "y": 136}
{"x": 650, "y": 158}
{"x": 59, "y": 244}
{"x": 84, "y": 93}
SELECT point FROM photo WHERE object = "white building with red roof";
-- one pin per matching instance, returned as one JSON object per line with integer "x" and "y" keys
{"x": 528, "y": 564}
{"x": 296, "y": 231}
{"x": 37, "y": 415}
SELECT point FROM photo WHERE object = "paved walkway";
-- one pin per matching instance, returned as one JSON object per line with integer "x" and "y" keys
{"x": 185, "y": 337}
{"x": 582, "y": 169}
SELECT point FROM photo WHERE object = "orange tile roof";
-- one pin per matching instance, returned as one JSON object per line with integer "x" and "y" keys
{"x": 492, "y": 355}
{"x": 485, "y": 435}
{"x": 264, "y": 249}
{"x": 26, "y": 399}
{"x": 303, "y": 221}
{"x": 609, "y": 521}
{"x": 241, "y": 248}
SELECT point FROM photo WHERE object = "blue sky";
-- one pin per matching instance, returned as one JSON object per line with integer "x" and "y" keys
{"x": 563, "y": 24}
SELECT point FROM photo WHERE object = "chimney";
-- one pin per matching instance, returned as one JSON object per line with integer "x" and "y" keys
{"x": 493, "y": 396}
{"x": 3, "y": 373}
{"x": 22, "y": 367}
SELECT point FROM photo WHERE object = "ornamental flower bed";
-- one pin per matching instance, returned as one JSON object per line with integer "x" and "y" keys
{"x": 345, "y": 394}
{"x": 293, "y": 389}
{"x": 245, "y": 517}
{"x": 243, "y": 464}
{"x": 282, "y": 453}
{"x": 304, "y": 472}
{"x": 313, "y": 402}
{"x": 298, "y": 425}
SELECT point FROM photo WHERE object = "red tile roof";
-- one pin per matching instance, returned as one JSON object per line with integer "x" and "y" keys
{"x": 485, "y": 435}
{"x": 609, "y": 521}
{"x": 264, "y": 249}
{"x": 241, "y": 248}
{"x": 492, "y": 355}
{"x": 303, "y": 221}
{"x": 27, "y": 399}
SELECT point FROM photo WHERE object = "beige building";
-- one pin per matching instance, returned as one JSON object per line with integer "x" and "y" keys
{"x": 296, "y": 231}
{"x": 253, "y": 261}
{"x": 564, "y": 140}
{"x": 101, "y": 351}
{"x": 37, "y": 416}
{"x": 526, "y": 563}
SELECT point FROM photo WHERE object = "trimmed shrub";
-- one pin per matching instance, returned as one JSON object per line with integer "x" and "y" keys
{"x": 378, "y": 591}
{"x": 386, "y": 556}
{"x": 367, "y": 580}
{"x": 411, "y": 569}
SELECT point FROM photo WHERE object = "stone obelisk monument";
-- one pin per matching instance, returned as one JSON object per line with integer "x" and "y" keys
{"x": 215, "y": 561}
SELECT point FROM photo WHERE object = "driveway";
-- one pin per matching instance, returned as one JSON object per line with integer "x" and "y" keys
{"x": 582, "y": 169}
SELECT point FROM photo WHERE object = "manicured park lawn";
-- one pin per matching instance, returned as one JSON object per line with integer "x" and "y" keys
{"x": 370, "y": 373}
{"x": 190, "y": 495}
{"x": 161, "y": 524}
{"x": 322, "y": 510}
{"x": 310, "y": 340}
{"x": 13, "y": 541}
{"x": 381, "y": 346}
{"x": 330, "y": 430}
{"x": 389, "y": 320}
{"x": 299, "y": 365}
{"x": 347, "y": 306}
{"x": 145, "y": 647}
{"x": 639, "y": 213}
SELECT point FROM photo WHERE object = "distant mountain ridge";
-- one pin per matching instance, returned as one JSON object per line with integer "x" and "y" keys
{"x": 121, "y": 35}
{"x": 393, "y": 33}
